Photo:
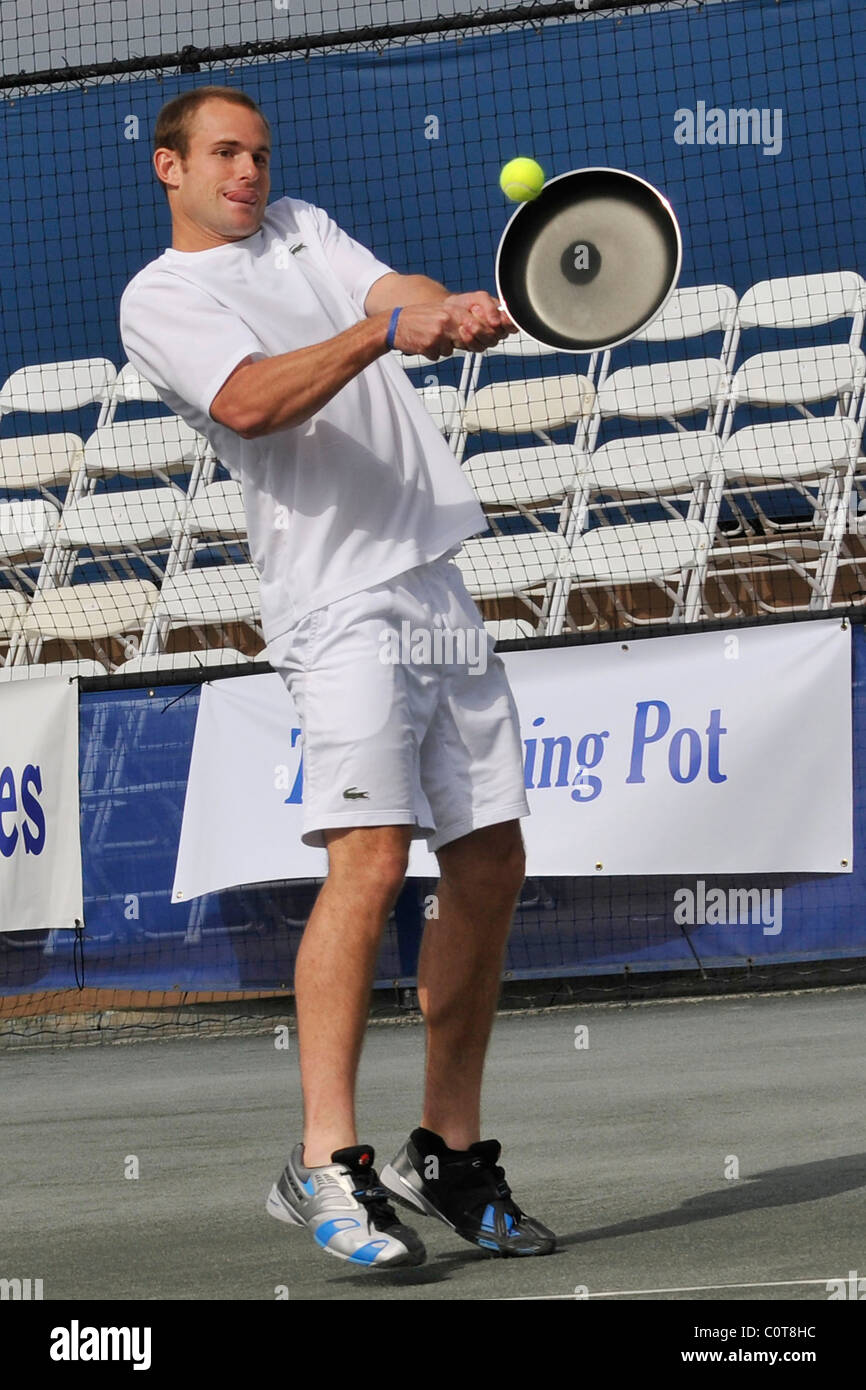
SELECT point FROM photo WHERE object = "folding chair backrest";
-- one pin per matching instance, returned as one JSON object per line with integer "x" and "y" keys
{"x": 130, "y": 387}
{"x": 159, "y": 444}
{"x": 692, "y": 312}
{"x": 36, "y": 461}
{"x": 805, "y": 301}
{"x": 47, "y": 387}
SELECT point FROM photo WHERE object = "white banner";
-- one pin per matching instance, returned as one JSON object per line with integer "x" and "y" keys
{"x": 40, "y": 843}
{"x": 712, "y": 753}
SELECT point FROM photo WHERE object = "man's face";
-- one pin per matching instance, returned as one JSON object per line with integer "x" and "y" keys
{"x": 222, "y": 186}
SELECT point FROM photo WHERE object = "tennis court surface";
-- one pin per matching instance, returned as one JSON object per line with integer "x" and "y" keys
{"x": 625, "y": 1144}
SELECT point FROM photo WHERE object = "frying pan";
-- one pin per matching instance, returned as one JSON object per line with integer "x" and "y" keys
{"x": 591, "y": 261}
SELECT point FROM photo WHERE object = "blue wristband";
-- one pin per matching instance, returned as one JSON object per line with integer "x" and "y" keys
{"x": 392, "y": 329}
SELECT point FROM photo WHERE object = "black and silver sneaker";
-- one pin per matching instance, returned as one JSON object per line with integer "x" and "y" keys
{"x": 346, "y": 1209}
{"x": 467, "y": 1190}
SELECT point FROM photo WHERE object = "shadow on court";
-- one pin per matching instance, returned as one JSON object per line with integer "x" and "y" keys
{"x": 778, "y": 1187}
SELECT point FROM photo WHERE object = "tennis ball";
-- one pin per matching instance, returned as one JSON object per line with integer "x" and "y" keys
{"x": 521, "y": 179}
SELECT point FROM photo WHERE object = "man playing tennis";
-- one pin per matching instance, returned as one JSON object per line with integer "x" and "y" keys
{"x": 269, "y": 330}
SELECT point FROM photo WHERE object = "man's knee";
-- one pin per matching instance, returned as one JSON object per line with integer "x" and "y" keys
{"x": 491, "y": 860}
{"x": 372, "y": 859}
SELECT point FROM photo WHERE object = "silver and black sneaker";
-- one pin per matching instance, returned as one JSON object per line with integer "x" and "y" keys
{"x": 465, "y": 1188}
{"x": 346, "y": 1209}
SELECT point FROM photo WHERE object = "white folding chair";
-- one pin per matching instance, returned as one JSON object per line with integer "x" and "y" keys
{"x": 799, "y": 379}
{"x": 806, "y": 301}
{"x": 531, "y": 404}
{"x": 810, "y": 455}
{"x": 520, "y": 567}
{"x": 670, "y": 556}
{"x": 815, "y": 457}
{"x": 26, "y": 527}
{"x": 42, "y": 463}
{"x": 788, "y": 306}
{"x": 214, "y": 516}
{"x": 156, "y": 449}
{"x": 159, "y": 448}
{"x": 694, "y": 312}
{"x": 47, "y": 388}
{"x": 218, "y": 510}
{"x": 48, "y": 463}
{"x": 527, "y": 481}
{"x": 212, "y": 596}
{"x": 137, "y": 525}
{"x": 655, "y": 469}
{"x": 679, "y": 473}
{"x": 131, "y": 388}
{"x": 679, "y": 467}
{"x": 88, "y": 613}
{"x": 669, "y": 391}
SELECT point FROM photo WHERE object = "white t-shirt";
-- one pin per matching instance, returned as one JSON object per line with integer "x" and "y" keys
{"x": 364, "y": 489}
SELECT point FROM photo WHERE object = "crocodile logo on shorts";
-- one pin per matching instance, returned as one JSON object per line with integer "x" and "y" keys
{"x": 352, "y": 794}
{"x": 301, "y": 246}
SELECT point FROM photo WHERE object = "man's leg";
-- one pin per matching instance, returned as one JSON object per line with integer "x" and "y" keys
{"x": 334, "y": 975}
{"x": 460, "y": 971}
{"x": 445, "y": 1169}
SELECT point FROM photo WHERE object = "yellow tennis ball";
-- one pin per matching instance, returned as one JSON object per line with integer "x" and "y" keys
{"x": 521, "y": 179}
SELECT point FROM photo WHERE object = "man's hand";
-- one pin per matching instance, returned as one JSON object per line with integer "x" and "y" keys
{"x": 481, "y": 322}
{"x": 471, "y": 321}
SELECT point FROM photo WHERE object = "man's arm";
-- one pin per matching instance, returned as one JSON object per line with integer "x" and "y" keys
{"x": 279, "y": 392}
{"x": 393, "y": 289}
{"x": 477, "y": 312}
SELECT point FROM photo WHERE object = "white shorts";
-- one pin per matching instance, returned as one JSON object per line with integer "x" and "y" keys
{"x": 406, "y": 713}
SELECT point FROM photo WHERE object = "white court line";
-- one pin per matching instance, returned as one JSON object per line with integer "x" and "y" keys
{"x": 688, "y": 1288}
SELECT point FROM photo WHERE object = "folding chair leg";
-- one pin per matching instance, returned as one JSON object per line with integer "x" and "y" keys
{"x": 558, "y": 607}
